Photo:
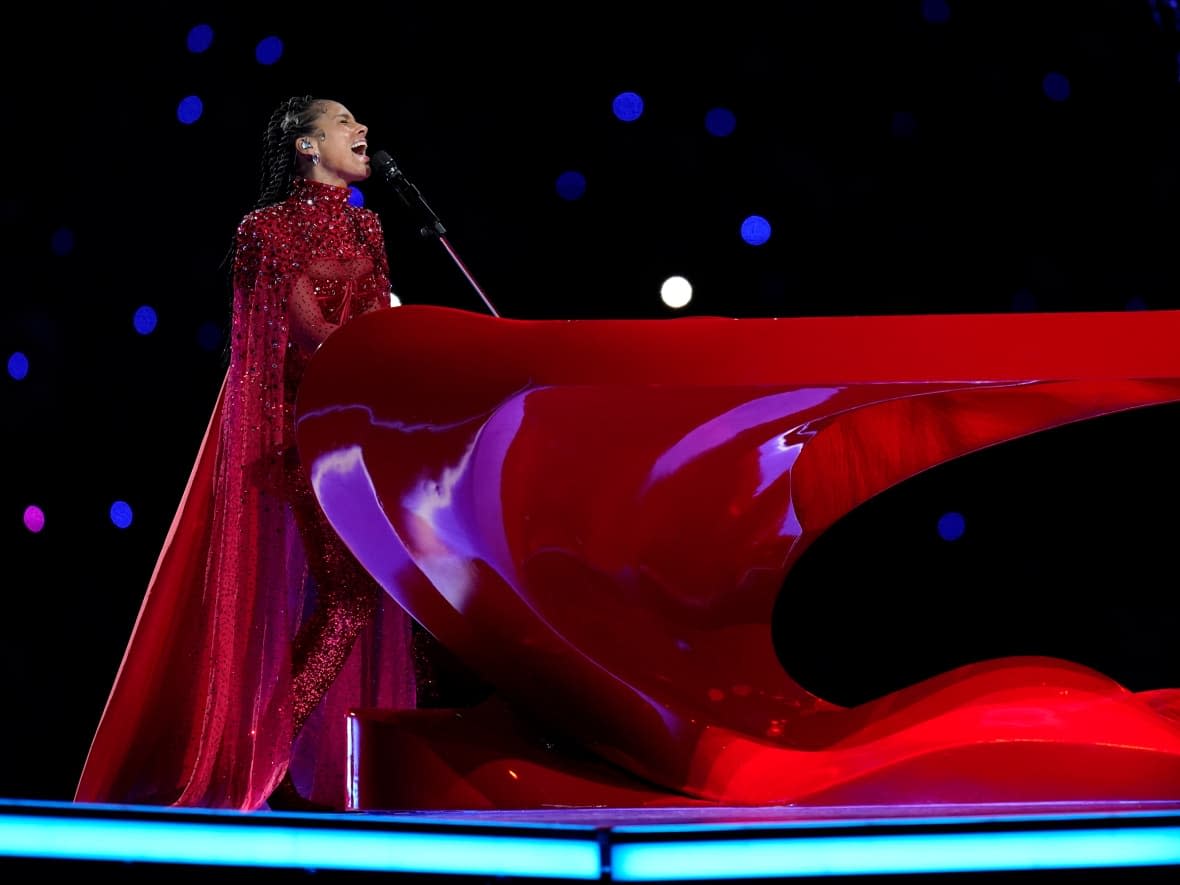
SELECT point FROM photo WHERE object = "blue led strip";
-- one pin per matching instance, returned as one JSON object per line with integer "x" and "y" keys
{"x": 898, "y": 853}
{"x": 662, "y": 852}
{"x": 186, "y": 842}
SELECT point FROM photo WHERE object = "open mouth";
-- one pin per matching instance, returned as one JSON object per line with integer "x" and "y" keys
{"x": 359, "y": 148}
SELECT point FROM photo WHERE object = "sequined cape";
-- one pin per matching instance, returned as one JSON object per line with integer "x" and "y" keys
{"x": 200, "y": 712}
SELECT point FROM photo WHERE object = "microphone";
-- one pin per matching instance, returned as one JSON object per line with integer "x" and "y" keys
{"x": 392, "y": 175}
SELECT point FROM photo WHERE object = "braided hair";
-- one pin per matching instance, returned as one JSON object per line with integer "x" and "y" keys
{"x": 293, "y": 117}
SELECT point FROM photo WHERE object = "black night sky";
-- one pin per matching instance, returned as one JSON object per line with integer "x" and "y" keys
{"x": 910, "y": 157}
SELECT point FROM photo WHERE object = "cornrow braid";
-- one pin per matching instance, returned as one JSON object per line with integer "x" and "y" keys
{"x": 294, "y": 116}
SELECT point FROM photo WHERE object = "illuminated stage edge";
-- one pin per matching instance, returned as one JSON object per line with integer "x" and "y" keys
{"x": 625, "y": 845}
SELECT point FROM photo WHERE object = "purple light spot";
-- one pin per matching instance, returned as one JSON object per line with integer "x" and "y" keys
{"x": 34, "y": 518}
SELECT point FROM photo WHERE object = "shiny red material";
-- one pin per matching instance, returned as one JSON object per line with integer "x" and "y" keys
{"x": 599, "y": 516}
{"x": 215, "y": 680}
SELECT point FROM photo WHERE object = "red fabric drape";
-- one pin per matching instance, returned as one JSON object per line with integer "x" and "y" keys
{"x": 200, "y": 711}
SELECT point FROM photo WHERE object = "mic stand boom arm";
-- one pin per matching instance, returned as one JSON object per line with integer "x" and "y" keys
{"x": 412, "y": 197}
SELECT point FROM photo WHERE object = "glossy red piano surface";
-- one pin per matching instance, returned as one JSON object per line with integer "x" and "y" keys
{"x": 599, "y": 517}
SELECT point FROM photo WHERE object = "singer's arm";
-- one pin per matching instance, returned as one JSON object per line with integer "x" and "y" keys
{"x": 378, "y": 292}
{"x": 309, "y": 326}
{"x": 330, "y": 291}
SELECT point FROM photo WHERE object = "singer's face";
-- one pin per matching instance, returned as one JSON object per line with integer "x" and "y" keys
{"x": 343, "y": 146}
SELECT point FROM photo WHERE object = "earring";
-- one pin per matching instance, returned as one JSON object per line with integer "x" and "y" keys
{"x": 305, "y": 144}
{"x": 315, "y": 159}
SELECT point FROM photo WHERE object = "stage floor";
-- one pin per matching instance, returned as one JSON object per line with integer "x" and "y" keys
{"x": 1123, "y": 842}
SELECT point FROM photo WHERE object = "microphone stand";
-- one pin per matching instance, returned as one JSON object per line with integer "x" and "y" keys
{"x": 413, "y": 199}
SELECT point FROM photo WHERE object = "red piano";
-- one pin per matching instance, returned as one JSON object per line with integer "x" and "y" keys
{"x": 600, "y": 518}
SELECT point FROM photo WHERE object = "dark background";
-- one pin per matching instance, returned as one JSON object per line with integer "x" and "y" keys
{"x": 906, "y": 166}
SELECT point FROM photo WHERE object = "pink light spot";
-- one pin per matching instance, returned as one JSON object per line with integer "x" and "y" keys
{"x": 34, "y": 518}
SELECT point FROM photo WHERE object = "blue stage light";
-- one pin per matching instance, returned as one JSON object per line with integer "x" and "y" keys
{"x": 627, "y": 853}
{"x": 121, "y": 514}
{"x": 755, "y": 230}
{"x": 951, "y": 526}
{"x": 18, "y": 366}
{"x": 571, "y": 185}
{"x": 145, "y": 320}
{"x": 62, "y": 241}
{"x": 269, "y": 50}
{"x": 1056, "y": 86}
{"x": 209, "y": 336}
{"x": 280, "y": 845}
{"x": 862, "y": 855}
{"x": 903, "y": 124}
{"x": 936, "y": 12}
{"x": 200, "y": 38}
{"x": 628, "y": 106}
{"x": 190, "y": 109}
{"x": 720, "y": 122}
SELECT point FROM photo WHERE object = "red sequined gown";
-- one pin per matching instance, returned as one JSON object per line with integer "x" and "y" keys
{"x": 258, "y": 624}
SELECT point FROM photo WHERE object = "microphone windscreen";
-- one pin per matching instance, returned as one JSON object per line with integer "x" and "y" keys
{"x": 384, "y": 162}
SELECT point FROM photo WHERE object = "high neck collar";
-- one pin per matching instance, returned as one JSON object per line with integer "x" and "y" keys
{"x": 316, "y": 192}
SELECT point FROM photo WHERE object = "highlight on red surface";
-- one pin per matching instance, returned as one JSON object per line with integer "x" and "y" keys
{"x": 599, "y": 516}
